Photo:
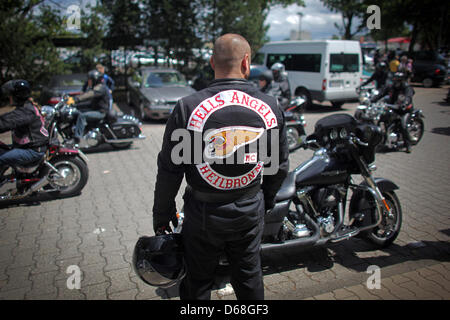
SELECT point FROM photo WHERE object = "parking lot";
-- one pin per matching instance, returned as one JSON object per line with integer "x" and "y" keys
{"x": 95, "y": 233}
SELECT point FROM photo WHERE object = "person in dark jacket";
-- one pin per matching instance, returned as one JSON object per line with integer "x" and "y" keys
{"x": 280, "y": 85}
{"x": 379, "y": 76}
{"x": 93, "y": 105}
{"x": 265, "y": 82}
{"x": 107, "y": 80}
{"x": 29, "y": 136}
{"x": 399, "y": 87}
{"x": 225, "y": 200}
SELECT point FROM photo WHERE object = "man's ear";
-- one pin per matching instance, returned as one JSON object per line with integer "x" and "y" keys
{"x": 211, "y": 62}
{"x": 245, "y": 65}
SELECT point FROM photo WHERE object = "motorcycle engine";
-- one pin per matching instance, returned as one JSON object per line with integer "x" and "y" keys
{"x": 392, "y": 140}
{"x": 326, "y": 200}
{"x": 92, "y": 138}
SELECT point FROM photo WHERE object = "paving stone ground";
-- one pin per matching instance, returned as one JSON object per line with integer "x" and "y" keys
{"x": 96, "y": 231}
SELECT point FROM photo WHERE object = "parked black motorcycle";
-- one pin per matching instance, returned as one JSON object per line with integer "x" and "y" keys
{"x": 311, "y": 204}
{"x": 117, "y": 130}
{"x": 295, "y": 123}
{"x": 61, "y": 172}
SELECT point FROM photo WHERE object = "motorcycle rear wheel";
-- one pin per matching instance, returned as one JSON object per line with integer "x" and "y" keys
{"x": 74, "y": 175}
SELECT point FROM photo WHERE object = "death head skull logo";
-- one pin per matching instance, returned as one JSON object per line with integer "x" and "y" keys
{"x": 223, "y": 142}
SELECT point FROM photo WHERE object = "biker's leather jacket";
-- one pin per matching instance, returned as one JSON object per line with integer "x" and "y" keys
{"x": 27, "y": 126}
{"x": 97, "y": 98}
{"x": 222, "y": 122}
{"x": 380, "y": 76}
{"x": 281, "y": 90}
{"x": 394, "y": 92}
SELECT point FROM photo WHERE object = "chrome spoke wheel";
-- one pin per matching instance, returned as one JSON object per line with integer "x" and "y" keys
{"x": 69, "y": 175}
{"x": 390, "y": 223}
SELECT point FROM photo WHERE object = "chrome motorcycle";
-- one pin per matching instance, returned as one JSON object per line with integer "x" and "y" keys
{"x": 401, "y": 122}
{"x": 311, "y": 205}
{"x": 295, "y": 123}
{"x": 367, "y": 111}
{"x": 61, "y": 172}
{"x": 120, "y": 131}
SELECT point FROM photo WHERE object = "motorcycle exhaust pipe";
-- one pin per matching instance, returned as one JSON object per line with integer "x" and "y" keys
{"x": 35, "y": 187}
{"x": 296, "y": 243}
{"x": 140, "y": 137}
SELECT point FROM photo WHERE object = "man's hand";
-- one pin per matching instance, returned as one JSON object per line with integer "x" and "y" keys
{"x": 161, "y": 225}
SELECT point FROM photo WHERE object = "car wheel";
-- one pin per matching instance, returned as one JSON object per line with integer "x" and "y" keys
{"x": 427, "y": 82}
{"x": 337, "y": 104}
{"x": 128, "y": 98}
{"x": 141, "y": 112}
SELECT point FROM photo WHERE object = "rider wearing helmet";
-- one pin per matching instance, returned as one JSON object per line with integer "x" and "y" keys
{"x": 93, "y": 104}
{"x": 379, "y": 76}
{"x": 400, "y": 93}
{"x": 265, "y": 81}
{"x": 281, "y": 89}
{"x": 29, "y": 136}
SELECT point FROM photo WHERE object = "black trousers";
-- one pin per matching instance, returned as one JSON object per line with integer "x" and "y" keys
{"x": 203, "y": 248}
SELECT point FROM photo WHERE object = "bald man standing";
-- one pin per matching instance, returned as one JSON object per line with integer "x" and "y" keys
{"x": 230, "y": 133}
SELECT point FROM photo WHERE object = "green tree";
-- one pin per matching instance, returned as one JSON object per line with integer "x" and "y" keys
{"x": 243, "y": 17}
{"x": 26, "y": 47}
{"x": 173, "y": 25}
{"x": 93, "y": 30}
{"x": 391, "y": 25}
{"x": 351, "y": 10}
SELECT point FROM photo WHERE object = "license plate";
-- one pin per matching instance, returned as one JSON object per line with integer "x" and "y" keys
{"x": 336, "y": 83}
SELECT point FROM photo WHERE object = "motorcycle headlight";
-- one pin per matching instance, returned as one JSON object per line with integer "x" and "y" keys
{"x": 47, "y": 111}
{"x": 343, "y": 133}
{"x": 333, "y": 134}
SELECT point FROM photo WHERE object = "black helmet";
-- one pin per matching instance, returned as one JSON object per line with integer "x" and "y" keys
{"x": 381, "y": 65}
{"x": 20, "y": 90}
{"x": 266, "y": 75}
{"x": 158, "y": 260}
{"x": 398, "y": 78}
{"x": 95, "y": 75}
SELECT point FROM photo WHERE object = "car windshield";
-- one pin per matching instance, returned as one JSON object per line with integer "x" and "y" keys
{"x": 162, "y": 79}
{"x": 72, "y": 81}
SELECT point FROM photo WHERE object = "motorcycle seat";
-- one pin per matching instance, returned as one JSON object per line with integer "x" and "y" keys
{"x": 287, "y": 189}
{"x": 30, "y": 166}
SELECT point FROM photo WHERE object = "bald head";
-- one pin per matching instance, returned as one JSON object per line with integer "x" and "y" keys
{"x": 231, "y": 57}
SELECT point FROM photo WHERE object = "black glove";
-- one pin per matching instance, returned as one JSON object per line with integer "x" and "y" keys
{"x": 161, "y": 223}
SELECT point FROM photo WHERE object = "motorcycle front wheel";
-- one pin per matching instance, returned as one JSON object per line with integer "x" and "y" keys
{"x": 71, "y": 178}
{"x": 389, "y": 228}
{"x": 415, "y": 129}
{"x": 293, "y": 138}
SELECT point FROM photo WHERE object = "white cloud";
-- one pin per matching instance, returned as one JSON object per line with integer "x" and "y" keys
{"x": 316, "y": 19}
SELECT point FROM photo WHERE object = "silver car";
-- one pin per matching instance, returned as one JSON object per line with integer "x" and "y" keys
{"x": 153, "y": 92}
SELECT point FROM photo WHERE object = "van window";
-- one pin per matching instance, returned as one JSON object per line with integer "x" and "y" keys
{"x": 344, "y": 62}
{"x": 297, "y": 62}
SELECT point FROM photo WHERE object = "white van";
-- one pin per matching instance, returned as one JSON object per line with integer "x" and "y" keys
{"x": 323, "y": 70}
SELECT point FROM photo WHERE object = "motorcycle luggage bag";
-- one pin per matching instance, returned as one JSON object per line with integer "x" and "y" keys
{"x": 124, "y": 130}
